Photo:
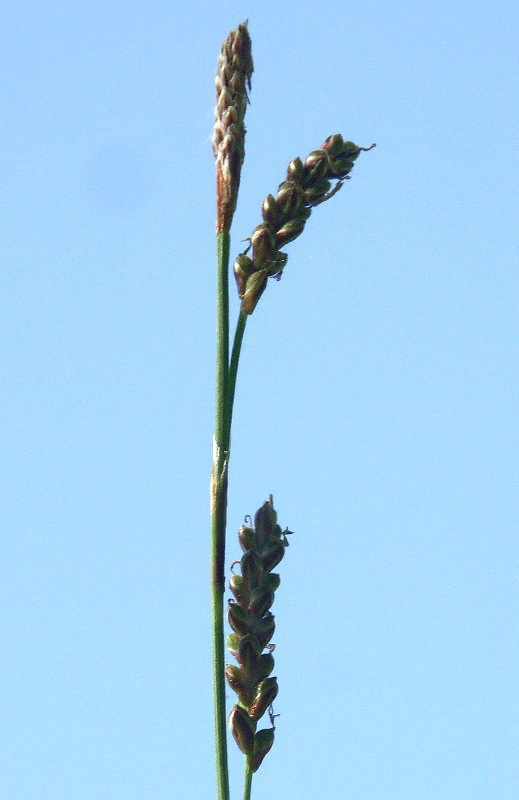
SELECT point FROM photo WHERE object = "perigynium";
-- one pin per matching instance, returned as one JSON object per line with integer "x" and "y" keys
{"x": 307, "y": 184}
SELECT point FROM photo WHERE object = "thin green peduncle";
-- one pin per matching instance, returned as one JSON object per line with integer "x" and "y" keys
{"x": 233, "y": 367}
{"x": 248, "y": 780}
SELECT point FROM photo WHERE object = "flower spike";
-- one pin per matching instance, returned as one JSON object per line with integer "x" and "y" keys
{"x": 284, "y": 217}
{"x": 253, "y": 624}
{"x": 233, "y": 76}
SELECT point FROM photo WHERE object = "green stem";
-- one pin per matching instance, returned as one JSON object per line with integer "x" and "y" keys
{"x": 219, "y": 511}
{"x": 248, "y": 781}
{"x": 223, "y": 244}
{"x": 233, "y": 368}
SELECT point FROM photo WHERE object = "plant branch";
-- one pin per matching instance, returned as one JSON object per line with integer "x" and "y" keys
{"x": 233, "y": 368}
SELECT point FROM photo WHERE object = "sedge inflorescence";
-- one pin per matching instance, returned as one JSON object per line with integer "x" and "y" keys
{"x": 284, "y": 216}
{"x": 233, "y": 76}
{"x": 253, "y": 626}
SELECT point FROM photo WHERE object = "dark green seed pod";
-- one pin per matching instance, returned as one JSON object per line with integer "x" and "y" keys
{"x": 350, "y": 150}
{"x": 295, "y": 170}
{"x": 260, "y": 601}
{"x": 233, "y": 642}
{"x": 316, "y": 191}
{"x": 246, "y": 537}
{"x": 265, "y": 521}
{"x": 251, "y": 567}
{"x": 273, "y": 555}
{"x": 264, "y": 666}
{"x": 238, "y": 618}
{"x": 290, "y": 231}
{"x": 334, "y": 145}
{"x": 238, "y": 683}
{"x": 304, "y": 212}
{"x": 248, "y": 652}
{"x": 316, "y": 167}
{"x": 265, "y": 696}
{"x": 255, "y": 287}
{"x": 242, "y": 728}
{"x": 288, "y": 199}
{"x": 277, "y": 264}
{"x": 242, "y": 268}
{"x": 271, "y": 581}
{"x": 264, "y": 629}
{"x": 240, "y": 589}
{"x": 263, "y": 244}
{"x": 270, "y": 211}
{"x": 263, "y": 742}
{"x": 342, "y": 167}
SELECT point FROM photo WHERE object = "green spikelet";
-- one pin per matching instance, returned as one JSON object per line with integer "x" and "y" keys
{"x": 253, "y": 624}
{"x": 284, "y": 216}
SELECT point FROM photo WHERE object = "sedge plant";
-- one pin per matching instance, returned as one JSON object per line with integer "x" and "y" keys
{"x": 253, "y": 583}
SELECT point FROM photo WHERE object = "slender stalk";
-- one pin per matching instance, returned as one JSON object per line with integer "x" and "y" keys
{"x": 223, "y": 243}
{"x": 219, "y": 511}
{"x": 248, "y": 780}
{"x": 233, "y": 368}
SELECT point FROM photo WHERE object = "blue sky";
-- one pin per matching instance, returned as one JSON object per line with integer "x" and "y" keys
{"x": 377, "y": 399}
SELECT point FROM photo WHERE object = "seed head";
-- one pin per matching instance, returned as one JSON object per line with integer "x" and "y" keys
{"x": 233, "y": 76}
{"x": 284, "y": 216}
{"x": 253, "y": 624}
